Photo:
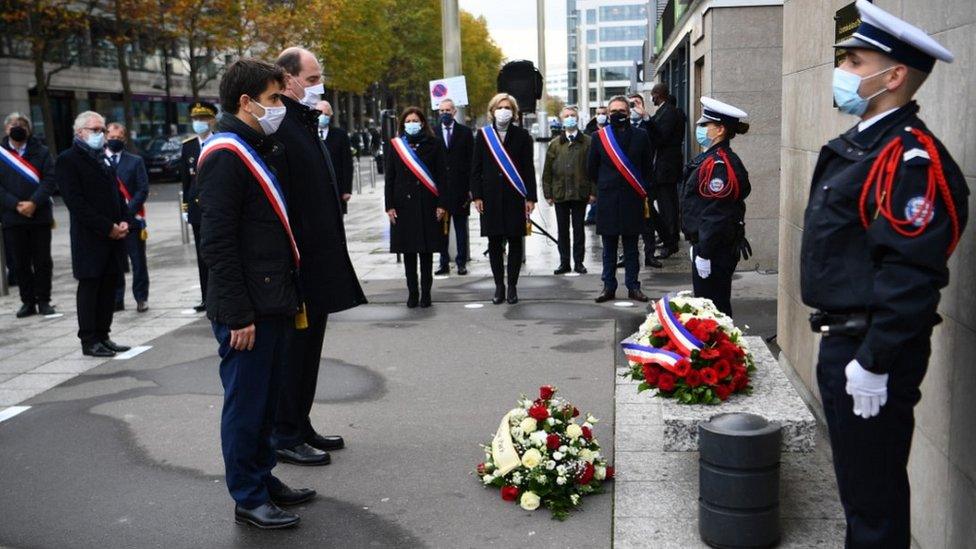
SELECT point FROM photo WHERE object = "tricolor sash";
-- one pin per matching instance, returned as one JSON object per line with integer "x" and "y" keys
{"x": 643, "y": 354}
{"x": 679, "y": 335}
{"x": 141, "y": 214}
{"x": 414, "y": 164}
{"x": 269, "y": 184}
{"x": 20, "y": 165}
{"x": 623, "y": 164}
{"x": 503, "y": 160}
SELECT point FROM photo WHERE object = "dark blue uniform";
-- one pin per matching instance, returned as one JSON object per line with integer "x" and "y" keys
{"x": 713, "y": 210}
{"x": 191, "y": 202}
{"x": 876, "y": 283}
{"x": 131, "y": 170}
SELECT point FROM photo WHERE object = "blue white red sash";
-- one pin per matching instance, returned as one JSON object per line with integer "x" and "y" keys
{"x": 20, "y": 165}
{"x": 643, "y": 354}
{"x": 141, "y": 214}
{"x": 503, "y": 160}
{"x": 679, "y": 335}
{"x": 269, "y": 184}
{"x": 623, "y": 164}
{"x": 414, "y": 164}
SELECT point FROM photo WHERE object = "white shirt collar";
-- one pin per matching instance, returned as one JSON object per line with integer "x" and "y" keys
{"x": 19, "y": 150}
{"x": 865, "y": 124}
{"x": 572, "y": 133}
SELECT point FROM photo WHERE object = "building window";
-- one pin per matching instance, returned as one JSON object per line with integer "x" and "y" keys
{"x": 621, "y": 53}
{"x": 591, "y": 55}
{"x": 592, "y": 75}
{"x": 590, "y": 17}
{"x": 616, "y": 73}
{"x": 622, "y": 33}
{"x": 623, "y": 13}
{"x": 591, "y": 36}
{"x": 592, "y": 94}
{"x": 609, "y": 92}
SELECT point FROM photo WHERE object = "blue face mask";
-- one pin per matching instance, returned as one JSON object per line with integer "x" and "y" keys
{"x": 701, "y": 135}
{"x": 200, "y": 127}
{"x": 412, "y": 128}
{"x": 569, "y": 122}
{"x": 845, "y": 87}
{"x": 95, "y": 140}
{"x": 324, "y": 120}
{"x": 447, "y": 118}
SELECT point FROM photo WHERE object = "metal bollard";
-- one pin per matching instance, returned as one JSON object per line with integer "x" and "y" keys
{"x": 738, "y": 481}
{"x": 184, "y": 232}
{"x": 359, "y": 177}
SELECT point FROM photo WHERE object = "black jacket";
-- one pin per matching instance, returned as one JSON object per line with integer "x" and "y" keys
{"x": 504, "y": 206}
{"x": 242, "y": 240}
{"x": 132, "y": 171}
{"x": 417, "y": 229}
{"x": 669, "y": 128}
{"x": 458, "y": 167}
{"x": 14, "y": 187}
{"x": 619, "y": 209}
{"x": 95, "y": 204}
{"x": 340, "y": 151}
{"x": 328, "y": 280}
{"x": 895, "y": 277}
{"x": 591, "y": 127}
{"x": 188, "y": 175}
{"x": 712, "y": 212}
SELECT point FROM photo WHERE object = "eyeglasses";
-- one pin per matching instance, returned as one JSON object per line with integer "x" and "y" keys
{"x": 95, "y": 130}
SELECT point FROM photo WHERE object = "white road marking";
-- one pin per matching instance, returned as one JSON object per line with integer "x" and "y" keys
{"x": 188, "y": 312}
{"x": 623, "y": 304}
{"x": 474, "y": 305}
{"x": 55, "y": 315}
{"x": 12, "y": 411}
{"x": 135, "y": 351}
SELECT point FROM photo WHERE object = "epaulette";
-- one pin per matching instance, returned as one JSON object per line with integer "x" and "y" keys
{"x": 914, "y": 152}
{"x": 188, "y": 139}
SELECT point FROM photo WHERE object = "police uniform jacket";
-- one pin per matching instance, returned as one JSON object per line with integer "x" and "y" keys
{"x": 713, "y": 202}
{"x": 188, "y": 175}
{"x": 504, "y": 206}
{"x": 619, "y": 209}
{"x": 15, "y": 188}
{"x": 458, "y": 166}
{"x": 893, "y": 274}
{"x": 417, "y": 229}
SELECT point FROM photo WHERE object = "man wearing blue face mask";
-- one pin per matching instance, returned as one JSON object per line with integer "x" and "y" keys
{"x": 337, "y": 142}
{"x": 886, "y": 209}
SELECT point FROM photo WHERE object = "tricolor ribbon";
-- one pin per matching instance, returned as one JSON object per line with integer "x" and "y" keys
{"x": 20, "y": 165}
{"x": 141, "y": 214}
{"x": 679, "y": 335}
{"x": 503, "y": 160}
{"x": 414, "y": 164}
{"x": 269, "y": 184}
{"x": 623, "y": 164}
{"x": 643, "y": 354}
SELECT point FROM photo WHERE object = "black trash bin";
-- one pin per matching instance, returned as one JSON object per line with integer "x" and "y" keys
{"x": 738, "y": 481}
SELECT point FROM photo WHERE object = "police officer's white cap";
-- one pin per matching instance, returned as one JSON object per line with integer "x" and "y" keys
{"x": 714, "y": 110}
{"x": 883, "y": 32}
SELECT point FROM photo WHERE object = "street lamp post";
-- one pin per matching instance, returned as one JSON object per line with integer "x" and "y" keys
{"x": 540, "y": 13}
{"x": 451, "y": 42}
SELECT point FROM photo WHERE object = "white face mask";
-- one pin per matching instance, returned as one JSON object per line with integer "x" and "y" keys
{"x": 503, "y": 115}
{"x": 313, "y": 94}
{"x": 601, "y": 119}
{"x": 271, "y": 119}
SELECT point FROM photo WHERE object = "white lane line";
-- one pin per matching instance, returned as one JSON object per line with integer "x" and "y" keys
{"x": 189, "y": 312}
{"x": 135, "y": 351}
{"x": 11, "y": 412}
{"x": 474, "y": 305}
{"x": 623, "y": 304}
{"x": 55, "y": 315}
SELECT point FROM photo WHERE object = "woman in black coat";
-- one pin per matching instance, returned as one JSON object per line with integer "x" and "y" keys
{"x": 416, "y": 207}
{"x": 504, "y": 210}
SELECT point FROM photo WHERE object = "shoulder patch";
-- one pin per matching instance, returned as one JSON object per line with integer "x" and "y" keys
{"x": 919, "y": 211}
{"x": 916, "y": 157}
{"x": 716, "y": 185}
{"x": 188, "y": 139}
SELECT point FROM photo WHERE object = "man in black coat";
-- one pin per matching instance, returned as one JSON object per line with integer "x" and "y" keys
{"x": 669, "y": 125}
{"x": 621, "y": 210}
{"x": 328, "y": 281}
{"x": 26, "y": 185}
{"x": 203, "y": 117}
{"x": 337, "y": 143}
{"x": 98, "y": 230}
{"x": 640, "y": 119}
{"x": 459, "y": 141}
{"x": 130, "y": 170}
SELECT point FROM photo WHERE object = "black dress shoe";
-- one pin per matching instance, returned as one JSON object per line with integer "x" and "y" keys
{"x": 303, "y": 454}
{"x": 651, "y": 262}
{"x": 620, "y": 263}
{"x": 443, "y": 270}
{"x": 412, "y": 300}
{"x": 98, "y": 350}
{"x": 119, "y": 306}
{"x": 142, "y": 306}
{"x": 499, "y": 295}
{"x": 637, "y": 295}
{"x": 664, "y": 253}
{"x": 606, "y": 295}
{"x": 563, "y": 269}
{"x": 425, "y": 301}
{"x": 46, "y": 309}
{"x": 285, "y": 496}
{"x": 266, "y": 517}
{"x": 462, "y": 271}
{"x": 200, "y": 307}
{"x": 115, "y": 346}
{"x": 581, "y": 269}
{"x": 26, "y": 310}
{"x": 512, "y": 295}
{"x": 326, "y": 443}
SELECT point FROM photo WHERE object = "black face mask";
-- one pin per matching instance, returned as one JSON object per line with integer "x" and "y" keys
{"x": 116, "y": 145}
{"x": 618, "y": 118}
{"x": 18, "y": 133}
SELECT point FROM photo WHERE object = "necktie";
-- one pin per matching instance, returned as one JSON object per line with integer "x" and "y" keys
{"x": 115, "y": 161}
{"x": 447, "y": 136}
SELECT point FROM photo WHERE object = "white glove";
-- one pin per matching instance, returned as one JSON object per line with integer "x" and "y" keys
{"x": 186, "y": 217}
{"x": 691, "y": 253}
{"x": 704, "y": 266}
{"x": 870, "y": 391}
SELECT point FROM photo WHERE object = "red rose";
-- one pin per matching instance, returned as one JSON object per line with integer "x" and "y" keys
{"x": 575, "y": 411}
{"x": 539, "y": 412}
{"x": 553, "y": 442}
{"x": 546, "y": 392}
{"x": 660, "y": 333}
{"x": 709, "y": 376}
{"x": 587, "y": 475}
{"x": 682, "y": 367}
{"x": 739, "y": 381}
{"x": 481, "y": 469}
{"x": 610, "y": 473}
{"x": 708, "y": 325}
{"x": 510, "y": 493}
{"x": 694, "y": 378}
{"x": 739, "y": 369}
{"x": 587, "y": 433}
{"x": 650, "y": 374}
{"x": 665, "y": 382}
{"x": 722, "y": 368}
{"x": 723, "y": 391}
{"x": 709, "y": 353}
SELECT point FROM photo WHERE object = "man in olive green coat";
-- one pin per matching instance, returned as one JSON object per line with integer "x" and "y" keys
{"x": 566, "y": 184}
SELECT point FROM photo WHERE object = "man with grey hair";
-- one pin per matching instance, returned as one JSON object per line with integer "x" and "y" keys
{"x": 98, "y": 230}
{"x": 26, "y": 185}
{"x": 337, "y": 142}
{"x": 459, "y": 141}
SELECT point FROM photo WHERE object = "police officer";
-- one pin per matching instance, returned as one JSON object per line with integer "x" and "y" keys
{"x": 887, "y": 205}
{"x": 713, "y": 195}
{"x": 203, "y": 116}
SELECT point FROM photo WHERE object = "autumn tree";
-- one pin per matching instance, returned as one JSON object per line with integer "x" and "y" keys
{"x": 126, "y": 21}
{"x": 480, "y": 60}
{"x": 200, "y": 27}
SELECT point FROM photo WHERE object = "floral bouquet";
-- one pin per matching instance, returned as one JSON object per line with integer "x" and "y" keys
{"x": 689, "y": 350}
{"x": 541, "y": 456}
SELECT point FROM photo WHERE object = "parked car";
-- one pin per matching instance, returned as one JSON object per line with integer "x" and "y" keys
{"x": 162, "y": 156}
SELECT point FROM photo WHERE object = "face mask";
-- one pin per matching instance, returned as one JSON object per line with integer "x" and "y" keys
{"x": 657, "y": 102}
{"x": 503, "y": 116}
{"x": 313, "y": 94}
{"x": 447, "y": 118}
{"x": 412, "y": 128}
{"x": 601, "y": 119}
{"x": 200, "y": 127}
{"x": 845, "y": 87}
{"x": 569, "y": 122}
{"x": 701, "y": 135}
{"x": 18, "y": 133}
{"x": 618, "y": 118}
{"x": 115, "y": 145}
{"x": 324, "y": 120}
{"x": 272, "y": 118}
{"x": 634, "y": 115}
{"x": 95, "y": 140}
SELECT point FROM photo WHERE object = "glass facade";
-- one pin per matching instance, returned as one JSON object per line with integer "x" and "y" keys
{"x": 621, "y": 53}
{"x": 623, "y": 13}
{"x": 616, "y": 73}
{"x": 617, "y": 34}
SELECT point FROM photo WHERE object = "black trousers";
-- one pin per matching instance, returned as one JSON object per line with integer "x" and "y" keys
{"x": 201, "y": 268}
{"x": 96, "y": 304}
{"x": 135, "y": 248}
{"x": 668, "y": 218}
{"x": 871, "y": 455}
{"x": 31, "y": 249}
{"x": 718, "y": 285}
{"x": 461, "y": 235}
{"x": 426, "y": 272}
{"x": 496, "y": 256}
{"x": 571, "y": 214}
{"x": 292, "y": 425}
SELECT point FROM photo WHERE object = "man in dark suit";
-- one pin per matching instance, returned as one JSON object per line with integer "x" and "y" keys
{"x": 340, "y": 149}
{"x": 203, "y": 117}
{"x": 640, "y": 119}
{"x": 130, "y": 171}
{"x": 98, "y": 230}
{"x": 459, "y": 140}
{"x": 669, "y": 126}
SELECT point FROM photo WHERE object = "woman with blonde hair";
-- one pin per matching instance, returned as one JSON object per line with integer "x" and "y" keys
{"x": 503, "y": 190}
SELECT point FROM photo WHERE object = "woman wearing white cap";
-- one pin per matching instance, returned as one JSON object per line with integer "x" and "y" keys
{"x": 713, "y": 207}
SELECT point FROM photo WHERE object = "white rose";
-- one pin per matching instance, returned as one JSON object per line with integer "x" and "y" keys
{"x": 550, "y": 465}
{"x": 487, "y": 479}
{"x": 557, "y": 456}
{"x": 575, "y": 499}
{"x": 530, "y": 501}
{"x": 538, "y": 438}
{"x": 561, "y": 469}
{"x": 574, "y": 431}
{"x": 563, "y": 449}
{"x": 600, "y": 473}
{"x": 532, "y": 458}
{"x": 590, "y": 420}
{"x": 528, "y": 425}
{"x": 551, "y": 420}
{"x": 560, "y": 480}
{"x": 586, "y": 455}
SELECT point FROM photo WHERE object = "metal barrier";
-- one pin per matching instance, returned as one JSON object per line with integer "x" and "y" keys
{"x": 184, "y": 232}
